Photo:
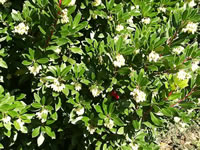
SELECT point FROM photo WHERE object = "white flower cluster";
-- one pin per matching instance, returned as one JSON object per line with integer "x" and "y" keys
{"x": 195, "y": 65}
{"x": 120, "y": 61}
{"x": 2, "y": 1}
{"x": 182, "y": 75}
{"x": 72, "y": 3}
{"x": 153, "y": 56}
{"x": 57, "y": 85}
{"x": 109, "y": 124}
{"x": 191, "y": 27}
{"x": 64, "y": 16}
{"x": 162, "y": 9}
{"x": 35, "y": 69}
{"x": 138, "y": 95}
{"x": 178, "y": 50}
{"x": 42, "y": 115}
{"x": 6, "y": 120}
{"x": 58, "y": 50}
{"x": 91, "y": 129}
{"x": 134, "y": 147}
{"x": 119, "y": 27}
{"x": 21, "y": 29}
{"x": 192, "y": 4}
{"x": 96, "y": 91}
{"x": 80, "y": 111}
{"x": 146, "y": 20}
{"x": 97, "y": 3}
{"x": 177, "y": 119}
{"x": 21, "y": 124}
{"x": 130, "y": 21}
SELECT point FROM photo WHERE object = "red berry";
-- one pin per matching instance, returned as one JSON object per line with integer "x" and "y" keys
{"x": 117, "y": 97}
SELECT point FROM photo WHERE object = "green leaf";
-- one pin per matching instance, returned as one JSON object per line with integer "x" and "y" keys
{"x": 1, "y": 146}
{"x": 3, "y": 63}
{"x": 26, "y": 63}
{"x": 35, "y": 132}
{"x": 77, "y": 20}
{"x": 58, "y": 105}
{"x": 120, "y": 131}
{"x": 76, "y": 50}
{"x": 174, "y": 96}
{"x": 119, "y": 43}
{"x": 155, "y": 120}
{"x": 136, "y": 124}
{"x": 124, "y": 71}
{"x": 98, "y": 109}
{"x": 118, "y": 121}
{"x": 49, "y": 132}
{"x": 40, "y": 139}
{"x": 42, "y": 30}
{"x": 37, "y": 98}
{"x": 43, "y": 60}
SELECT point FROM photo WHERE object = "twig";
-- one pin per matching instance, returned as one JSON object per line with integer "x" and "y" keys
{"x": 170, "y": 40}
{"x": 170, "y": 93}
{"x": 54, "y": 26}
{"x": 190, "y": 93}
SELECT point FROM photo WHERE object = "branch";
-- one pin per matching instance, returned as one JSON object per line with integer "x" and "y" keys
{"x": 190, "y": 93}
{"x": 53, "y": 26}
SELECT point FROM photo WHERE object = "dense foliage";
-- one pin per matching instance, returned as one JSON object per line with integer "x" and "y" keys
{"x": 102, "y": 74}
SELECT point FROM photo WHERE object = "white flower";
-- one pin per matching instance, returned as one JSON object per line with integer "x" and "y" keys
{"x": 1, "y": 79}
{"x": 6, "y": 119}
{"x": 178, "y": 50}
{"x": 119, "y": 27}
{"x": 72, "y": 3}
{"x": 2, "y": 1}
{"x": 162, "y": 9}
{"x": 192, "y": 4}
{"x": 134, "y": 147}
{"x": 21, "y": 123}
{"x": 153, "y": 56}
{"x": 116, "y": 38}
{"x": 57, "y": 85}
{"x": 64, "y": 17}
{"x": 146, "y": 20}
{"x": 41, "y": 114}
{"x": 182, "y": 75}
{"x": 191, "y": 27}
{"x": 154, "y": 94}
{"x": 92, "y": 34}
{"x": 21, "y": 29}
{"x": 95, "y": 91}
{"x": 177, "y": 119}
{"x": 198, "y": 101}
{"x": 91, "y": 129}
{"x": 74, "y": 121}
{"x": 78, "y": 86}
{"x": 109, "y": 18}
{"x": 120, "y": 61}
{"x": 137, "y": 51}
{"x": 14, "y": 12}
{"x": 138, "y": 95}
{"x": 58, "y": 50}
{"x": 35, "y": 69}
{"x": 109, "y": 124}
{"x": 80, "y": 111}
{"x": 132, "y": 7}
{"x": 137, "y": 6}
{"x": 96, "y": 3}
{"x": 195, "y": 65}
{"x": 130, "y": 21}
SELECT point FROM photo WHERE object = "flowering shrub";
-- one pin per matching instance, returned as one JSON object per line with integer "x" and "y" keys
{"x": 96, "y": 74}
